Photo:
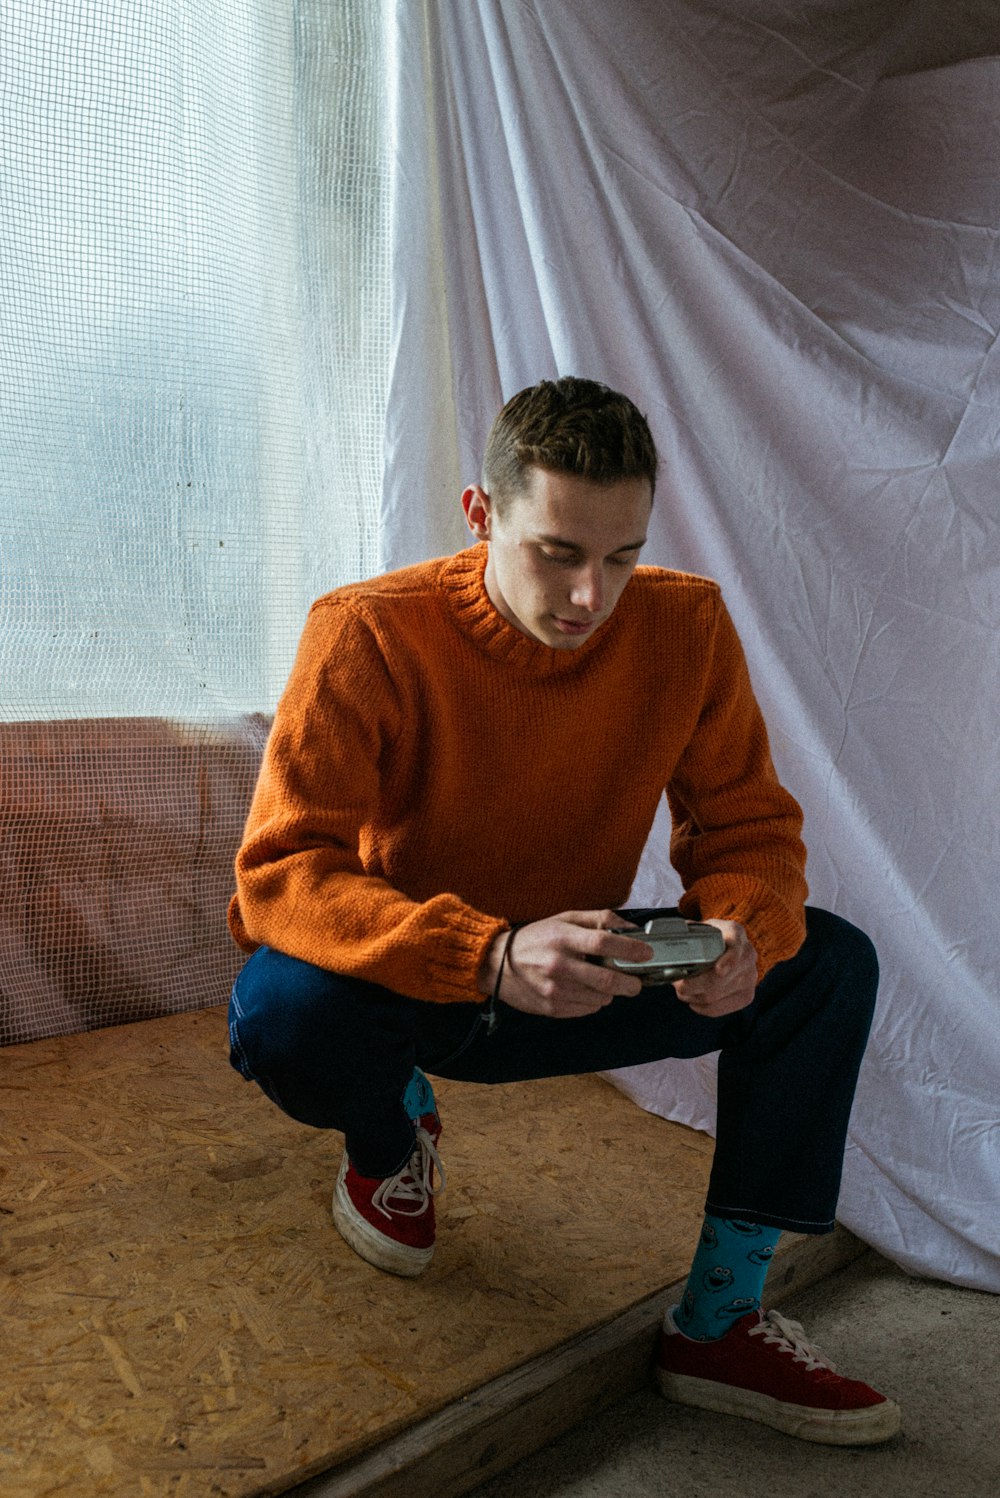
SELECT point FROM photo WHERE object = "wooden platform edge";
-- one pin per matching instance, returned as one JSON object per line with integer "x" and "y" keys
{"x": 507, "y": 1419}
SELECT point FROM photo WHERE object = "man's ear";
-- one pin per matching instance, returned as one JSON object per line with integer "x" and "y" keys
{"x": 478, "y": 511}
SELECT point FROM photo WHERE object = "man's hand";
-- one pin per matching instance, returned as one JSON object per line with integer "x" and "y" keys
{"x": 547, "y": 969}
{"x": 728, "y": 986}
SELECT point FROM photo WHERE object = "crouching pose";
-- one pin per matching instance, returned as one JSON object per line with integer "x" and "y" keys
{"x": 461, "y": 777}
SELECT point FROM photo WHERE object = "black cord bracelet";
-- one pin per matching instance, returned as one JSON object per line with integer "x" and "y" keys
{"x": 492, "y": 1018}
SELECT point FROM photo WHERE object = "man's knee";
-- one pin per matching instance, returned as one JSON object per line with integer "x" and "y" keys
{"x": 847, "y": 955}
{"x": 848, "y": 943}
{"x": 274, "y": 1010}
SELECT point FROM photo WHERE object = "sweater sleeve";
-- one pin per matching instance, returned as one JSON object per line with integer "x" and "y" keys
{"x": 301, "y": 882}
{"x": 736, "y": 840}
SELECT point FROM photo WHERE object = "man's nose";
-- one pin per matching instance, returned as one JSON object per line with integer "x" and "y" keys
{"x": 588, "y": 590}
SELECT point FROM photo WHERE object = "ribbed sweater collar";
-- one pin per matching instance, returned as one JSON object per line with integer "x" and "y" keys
{"x": 463, "y": 582}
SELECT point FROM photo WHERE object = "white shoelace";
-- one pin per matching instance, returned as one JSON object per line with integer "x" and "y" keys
{"x": 790, "y": 1337}
{"x": 414, "y": 1183}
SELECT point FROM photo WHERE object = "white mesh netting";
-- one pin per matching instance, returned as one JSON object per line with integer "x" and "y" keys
{"x": 193, "y": 282}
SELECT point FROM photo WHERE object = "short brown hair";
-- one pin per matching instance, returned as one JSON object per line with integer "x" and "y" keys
{"x": 568, "y": 426}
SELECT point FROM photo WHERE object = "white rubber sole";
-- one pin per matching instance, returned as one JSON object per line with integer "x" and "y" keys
{"x": 371, "y": 1245}
{"x": 867, "y": 1427}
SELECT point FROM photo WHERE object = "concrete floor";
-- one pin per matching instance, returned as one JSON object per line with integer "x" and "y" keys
{"x": 932, "y": 1347}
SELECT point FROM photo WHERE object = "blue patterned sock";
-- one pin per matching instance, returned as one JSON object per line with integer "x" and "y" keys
{"x": 727, "y": 1276}
{"x": 418, "y": 1097}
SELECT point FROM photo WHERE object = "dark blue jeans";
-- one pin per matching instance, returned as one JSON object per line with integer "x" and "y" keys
{"x": 337, "y": 1053}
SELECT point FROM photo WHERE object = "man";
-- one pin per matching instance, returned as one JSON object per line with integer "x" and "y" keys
{"x": 459, "y": 783}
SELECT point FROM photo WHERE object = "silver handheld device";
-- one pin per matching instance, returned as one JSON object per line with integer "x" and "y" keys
{"x": 680, "y": 949}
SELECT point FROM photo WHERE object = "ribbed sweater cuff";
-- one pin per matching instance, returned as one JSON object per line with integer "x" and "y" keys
{"x": 453, "y": 970}
{"x": 775, "y": 925}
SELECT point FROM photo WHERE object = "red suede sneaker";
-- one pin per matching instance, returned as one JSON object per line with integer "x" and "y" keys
{"x": 390, "y": 1222}
{"x": 764, "y": 1369}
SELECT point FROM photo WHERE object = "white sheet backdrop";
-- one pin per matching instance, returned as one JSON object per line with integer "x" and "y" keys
{"x": 776, "y": 228}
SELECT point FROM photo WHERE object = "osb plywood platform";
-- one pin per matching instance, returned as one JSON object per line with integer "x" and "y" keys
{"x": 180, "y": 1317}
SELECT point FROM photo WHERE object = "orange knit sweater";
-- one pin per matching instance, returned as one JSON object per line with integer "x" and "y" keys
{"x": 433, "y": 775}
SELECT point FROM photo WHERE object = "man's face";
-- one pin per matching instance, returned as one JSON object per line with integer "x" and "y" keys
{"x": 561, "y": 553}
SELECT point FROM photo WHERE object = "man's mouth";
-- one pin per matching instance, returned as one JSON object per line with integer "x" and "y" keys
{"x": 573, "y": 626}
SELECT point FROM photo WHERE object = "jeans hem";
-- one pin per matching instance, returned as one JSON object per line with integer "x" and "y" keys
{"x": 785, "y": 1223}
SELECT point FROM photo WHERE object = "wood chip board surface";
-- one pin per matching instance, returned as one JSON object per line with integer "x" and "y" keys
{"x": 181, "y": 1318}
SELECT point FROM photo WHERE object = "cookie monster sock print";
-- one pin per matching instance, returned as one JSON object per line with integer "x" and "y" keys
{"x": 727, "y": 1276}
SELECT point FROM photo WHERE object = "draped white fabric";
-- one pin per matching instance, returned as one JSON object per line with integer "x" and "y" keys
{"x": 777, "y": 229}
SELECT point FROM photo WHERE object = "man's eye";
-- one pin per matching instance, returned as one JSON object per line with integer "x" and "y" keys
{"x": 561, "y": 558}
